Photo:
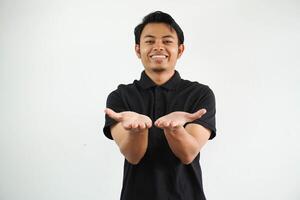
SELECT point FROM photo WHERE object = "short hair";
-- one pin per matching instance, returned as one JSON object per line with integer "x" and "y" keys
{"x": 158, "y": 17}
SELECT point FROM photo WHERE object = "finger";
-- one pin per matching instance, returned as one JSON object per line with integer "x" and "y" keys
{"x": 113, "y": 114}
{"x": 166, "y": 124}
{"x": 139, "y": 125}
{"x": 198, "y": 114}
{"x": 127, "y": 126}
{"x": 135, "y": 125}
{"x": 174, "y": 124}
{"x": 142, "y": 126}
{"x": 148, "y": 124}
{"x": 156, "y": 123}
{"x": 160, "y": 124}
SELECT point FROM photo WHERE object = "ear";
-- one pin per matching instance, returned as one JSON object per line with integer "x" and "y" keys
{"x": 138, "y": 50}
{"x": 180, "y": 50}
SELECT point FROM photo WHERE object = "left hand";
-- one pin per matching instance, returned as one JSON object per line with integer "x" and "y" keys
{"x": 177, "y": 119}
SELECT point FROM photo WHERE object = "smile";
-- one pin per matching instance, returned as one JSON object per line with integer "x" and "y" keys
{"x": 160, "y": 56}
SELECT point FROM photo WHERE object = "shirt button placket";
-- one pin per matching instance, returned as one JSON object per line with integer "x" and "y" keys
{"x": 158, "y": 102}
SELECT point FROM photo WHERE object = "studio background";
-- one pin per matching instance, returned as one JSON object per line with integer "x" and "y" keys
{"x": 60, "y": 59}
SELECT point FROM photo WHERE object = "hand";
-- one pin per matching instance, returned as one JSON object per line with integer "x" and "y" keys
{"x": 130, "y": 121}
{"x": 177, "y": 119}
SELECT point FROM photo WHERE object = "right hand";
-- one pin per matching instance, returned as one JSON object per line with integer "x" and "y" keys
{"x": 130, "y": 121}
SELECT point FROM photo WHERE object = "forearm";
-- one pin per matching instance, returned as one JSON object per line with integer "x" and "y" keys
{"x": 133, "y": 145}
{"x": 182, "y": 144}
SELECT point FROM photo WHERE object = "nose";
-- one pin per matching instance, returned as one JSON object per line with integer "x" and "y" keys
{"x": 158, "y": 46}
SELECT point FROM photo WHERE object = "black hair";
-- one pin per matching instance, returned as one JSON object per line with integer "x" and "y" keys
{"x": 158, "y": 17}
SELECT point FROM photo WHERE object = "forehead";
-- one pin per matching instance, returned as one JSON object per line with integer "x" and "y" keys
{"x": 158, "y": 30}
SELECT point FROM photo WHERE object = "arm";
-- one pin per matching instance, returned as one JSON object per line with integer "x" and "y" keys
{"x": 130, "y": 134}
{"x": 132, "y": 145}
{"x": 186, "y": 142}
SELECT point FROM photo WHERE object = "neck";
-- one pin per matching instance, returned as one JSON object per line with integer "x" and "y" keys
{"x": 159, "y": 78}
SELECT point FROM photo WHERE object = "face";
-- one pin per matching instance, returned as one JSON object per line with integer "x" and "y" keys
{"x": 158, "y": 48}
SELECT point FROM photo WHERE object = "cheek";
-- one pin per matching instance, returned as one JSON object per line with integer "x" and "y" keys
{"x": 174, "y": 53}
{"x": 144, "y": 52}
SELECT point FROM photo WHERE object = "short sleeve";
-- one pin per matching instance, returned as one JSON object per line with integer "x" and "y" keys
{"x": 114, "y": 102}
{"x": 208, "y": 120}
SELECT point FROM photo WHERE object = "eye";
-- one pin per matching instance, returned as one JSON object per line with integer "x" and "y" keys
{"x": 168, "y": 41}
{"x": 149, "y": 41}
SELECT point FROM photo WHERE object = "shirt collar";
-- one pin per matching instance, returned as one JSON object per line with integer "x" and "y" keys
{"x": 145, "y": 81}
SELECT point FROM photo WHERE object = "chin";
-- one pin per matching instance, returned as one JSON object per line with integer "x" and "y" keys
{"x": 158, "y": 69}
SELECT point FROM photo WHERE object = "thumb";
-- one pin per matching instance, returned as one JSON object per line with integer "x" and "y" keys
{"x": 198, "y": 114}
{"x": 112, "y": 114}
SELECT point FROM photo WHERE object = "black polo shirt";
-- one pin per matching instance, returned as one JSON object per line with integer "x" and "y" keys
{"x": 160, "y": 175}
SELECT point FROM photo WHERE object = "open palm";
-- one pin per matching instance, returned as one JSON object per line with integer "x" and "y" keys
{"x": 178, "y": 118}
{"x": 130, "y": 120}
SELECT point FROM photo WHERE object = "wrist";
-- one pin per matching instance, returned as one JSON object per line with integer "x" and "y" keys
{"x": 174, "y": 130}
{"x": 138, "y": 131}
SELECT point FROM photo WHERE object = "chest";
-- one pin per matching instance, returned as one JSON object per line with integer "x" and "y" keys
{"x": 156, "y": 102}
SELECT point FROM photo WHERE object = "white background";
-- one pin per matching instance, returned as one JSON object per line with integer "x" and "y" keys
{"x": 60, "y": 59}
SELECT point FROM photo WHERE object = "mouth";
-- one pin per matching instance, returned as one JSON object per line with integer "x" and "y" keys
{"x": 158, "y": 56}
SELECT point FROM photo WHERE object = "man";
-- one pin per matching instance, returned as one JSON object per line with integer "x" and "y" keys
{"x": 161, "y": 122}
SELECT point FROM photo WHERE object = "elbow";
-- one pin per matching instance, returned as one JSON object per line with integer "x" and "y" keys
{"x": 133, "y": 155}
{"x": 133, "y": 158}
{"x": 188, "y": 157}
{"x": 186, "y": 160}
{"x": 133, "y": 161}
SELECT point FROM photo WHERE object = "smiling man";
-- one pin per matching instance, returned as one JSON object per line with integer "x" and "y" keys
{"x": 160, "y": 122}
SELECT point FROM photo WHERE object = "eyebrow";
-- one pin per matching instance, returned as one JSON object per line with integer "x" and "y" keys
{"x": 166, "y": 36}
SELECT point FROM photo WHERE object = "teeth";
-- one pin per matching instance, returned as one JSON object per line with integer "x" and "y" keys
{"x": 159, "y": 56}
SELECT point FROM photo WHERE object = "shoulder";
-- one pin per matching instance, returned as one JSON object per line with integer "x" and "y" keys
{"x": 195, "y": 87}
{"x": 125, "y": 89}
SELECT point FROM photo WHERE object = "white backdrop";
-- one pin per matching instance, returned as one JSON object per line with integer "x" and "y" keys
{"x": 60, "y": 59}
